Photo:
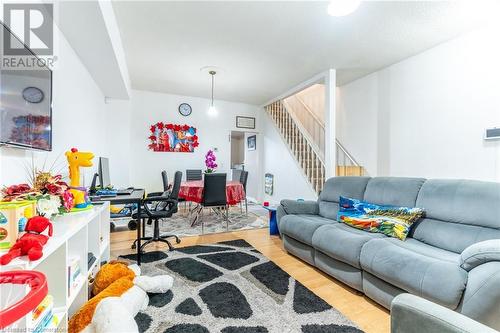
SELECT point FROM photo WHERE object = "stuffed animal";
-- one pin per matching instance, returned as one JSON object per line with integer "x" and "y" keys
{"x": 32, "y": 242}
{"x": 120, "y": 293}
{"x": 77, "y": 159}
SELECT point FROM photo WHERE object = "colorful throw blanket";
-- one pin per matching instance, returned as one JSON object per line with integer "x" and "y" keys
{"x": 389, "y": 220}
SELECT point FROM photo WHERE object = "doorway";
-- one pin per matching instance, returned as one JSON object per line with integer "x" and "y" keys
{"x": 238, "y": 150}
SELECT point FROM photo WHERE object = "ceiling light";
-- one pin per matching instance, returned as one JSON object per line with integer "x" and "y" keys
{"x": 343, "y": 7}
{"x": 212, "y": 111}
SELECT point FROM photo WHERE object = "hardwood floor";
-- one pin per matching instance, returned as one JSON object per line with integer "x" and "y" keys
{"x": 364, "y": 312}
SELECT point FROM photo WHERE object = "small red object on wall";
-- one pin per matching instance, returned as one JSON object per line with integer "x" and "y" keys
{"x": 172, "y": 138}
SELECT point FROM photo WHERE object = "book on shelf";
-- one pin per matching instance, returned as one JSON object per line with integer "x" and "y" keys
{"x": 91, "y": 259}
{"x": 74, "y": 273}
{"x": 41, "y": 313}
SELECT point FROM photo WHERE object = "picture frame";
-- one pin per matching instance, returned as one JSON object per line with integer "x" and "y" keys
{"x": 252, "y": 142}
{"x": 269, "y": 184}
{"x": 245, "y": 122}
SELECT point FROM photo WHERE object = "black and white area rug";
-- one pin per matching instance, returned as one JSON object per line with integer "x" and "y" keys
{"x": 230, "y": 287}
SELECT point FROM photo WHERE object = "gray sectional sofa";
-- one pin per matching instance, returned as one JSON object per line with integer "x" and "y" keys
{"x": 413, "y": 314}
{"x": 451, "y": 256}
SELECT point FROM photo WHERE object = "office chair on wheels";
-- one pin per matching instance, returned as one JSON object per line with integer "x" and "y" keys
{"x": 166, "y": 206}
{"x": 132, "y": 225}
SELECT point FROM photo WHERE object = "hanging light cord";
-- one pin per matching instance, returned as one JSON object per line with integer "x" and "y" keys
{"x": 212, "y": 73}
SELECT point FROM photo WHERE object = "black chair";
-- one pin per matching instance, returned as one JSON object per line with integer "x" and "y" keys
{"x": 164, "y": 179}
{"x": 214, "y": 197}
{"x": 236, "y": 174}
{"x": 193, "y": 175}
{"x": 165, "y": 208}
{"x": 132, "y": 225}
{"x": 243, "y": 181}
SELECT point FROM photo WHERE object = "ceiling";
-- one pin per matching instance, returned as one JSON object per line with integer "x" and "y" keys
{"x": 265, "y": 48}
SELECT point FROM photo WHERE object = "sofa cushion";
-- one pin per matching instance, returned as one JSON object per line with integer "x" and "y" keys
{"x": 352, "y": 187}
{"x": 302, "y": 227}
{"x": 342, "y": 242}
{"x": 458, "y": 213}
{"x": 394, "y": 191}
{"x": 416, "y": 267}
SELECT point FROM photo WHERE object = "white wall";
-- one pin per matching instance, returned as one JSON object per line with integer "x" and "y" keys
{"x": 78, "y": 112}
{"x": 289, "y": 181}
{"x": 357, "y": 121}
{"x": 118, "y": 126}
{"x": 148, "y": 108}
{"x": 426, "y": 115}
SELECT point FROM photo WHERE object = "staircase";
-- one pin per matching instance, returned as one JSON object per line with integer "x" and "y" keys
{"x": 305, "y": 150}
{"x": 346, "y": 164}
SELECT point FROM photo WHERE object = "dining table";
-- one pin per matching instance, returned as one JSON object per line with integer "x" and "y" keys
{"x": 193, "y": 191}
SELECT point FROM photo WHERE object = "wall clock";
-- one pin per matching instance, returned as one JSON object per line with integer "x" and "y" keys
{"x": 33, "y": 95}
{"x": 185, "y": 109}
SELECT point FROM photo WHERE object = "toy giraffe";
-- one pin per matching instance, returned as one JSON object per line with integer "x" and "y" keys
{"x": 77, "y": 159}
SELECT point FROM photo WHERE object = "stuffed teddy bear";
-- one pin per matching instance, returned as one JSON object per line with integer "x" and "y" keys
{"x": 120, "y": 292}
{"x": 32, "y": 242}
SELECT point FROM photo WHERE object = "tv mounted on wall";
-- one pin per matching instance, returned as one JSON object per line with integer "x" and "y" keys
{"x": 25, "y": 103}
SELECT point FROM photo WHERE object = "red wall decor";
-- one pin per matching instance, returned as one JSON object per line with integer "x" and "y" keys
{"x": 172, "y": 138}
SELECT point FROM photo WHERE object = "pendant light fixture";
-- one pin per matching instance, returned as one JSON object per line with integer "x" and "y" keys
{"x": 212, "y": 111}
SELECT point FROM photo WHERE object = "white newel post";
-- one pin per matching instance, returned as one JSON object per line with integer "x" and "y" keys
{"x": 330, "y": 109}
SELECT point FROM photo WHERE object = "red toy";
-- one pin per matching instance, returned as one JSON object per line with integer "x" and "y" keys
{"x": 32, "y": 242}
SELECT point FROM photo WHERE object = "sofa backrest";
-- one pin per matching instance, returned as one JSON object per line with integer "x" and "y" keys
{"x": 393, "y": 191}
{"x": 458, "y": 213}
{"x": 352, "y": 187}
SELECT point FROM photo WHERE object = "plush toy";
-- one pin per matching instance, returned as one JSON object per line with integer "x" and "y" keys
{"x": 77, "y": 159}
{"x": 32, "y": 242}
{"x": 120, "y": 293}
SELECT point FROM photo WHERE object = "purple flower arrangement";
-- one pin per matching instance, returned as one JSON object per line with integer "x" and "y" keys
{"x": 210, "y": 162}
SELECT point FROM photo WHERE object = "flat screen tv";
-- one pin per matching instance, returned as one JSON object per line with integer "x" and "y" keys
{"x": 25, "y": 104}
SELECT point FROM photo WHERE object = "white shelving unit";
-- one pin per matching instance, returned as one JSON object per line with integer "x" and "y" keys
{"x": 75, "y": 234}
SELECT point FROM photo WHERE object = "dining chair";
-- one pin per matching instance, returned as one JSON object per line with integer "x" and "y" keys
{"x": 214, "y": 197}
{"x": 192, "y": 174}
{"x": 166, "y": 208}
{"x": 236, "y": 175}
{"x": 243, "y": 181}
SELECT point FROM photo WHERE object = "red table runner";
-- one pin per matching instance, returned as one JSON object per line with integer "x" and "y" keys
{"x": 193, "y": 191}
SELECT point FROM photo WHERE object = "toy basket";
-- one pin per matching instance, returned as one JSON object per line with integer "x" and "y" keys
{"x": 20, "y": 293}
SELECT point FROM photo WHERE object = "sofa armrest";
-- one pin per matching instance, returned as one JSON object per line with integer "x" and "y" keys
{"x": 480, "y": 253}
{"x": 413, "y": 314}
{"x": 300, "y": 207}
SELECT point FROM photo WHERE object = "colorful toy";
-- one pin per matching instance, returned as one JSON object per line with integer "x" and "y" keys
{"x": 32, "y": 242}
{"x": 13, "y": 217}
{"x": 77, "y": 159}
{"x": 120, "y": 293}
{"x": 15, "y": 306}
{"x": 27, "y": 214}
